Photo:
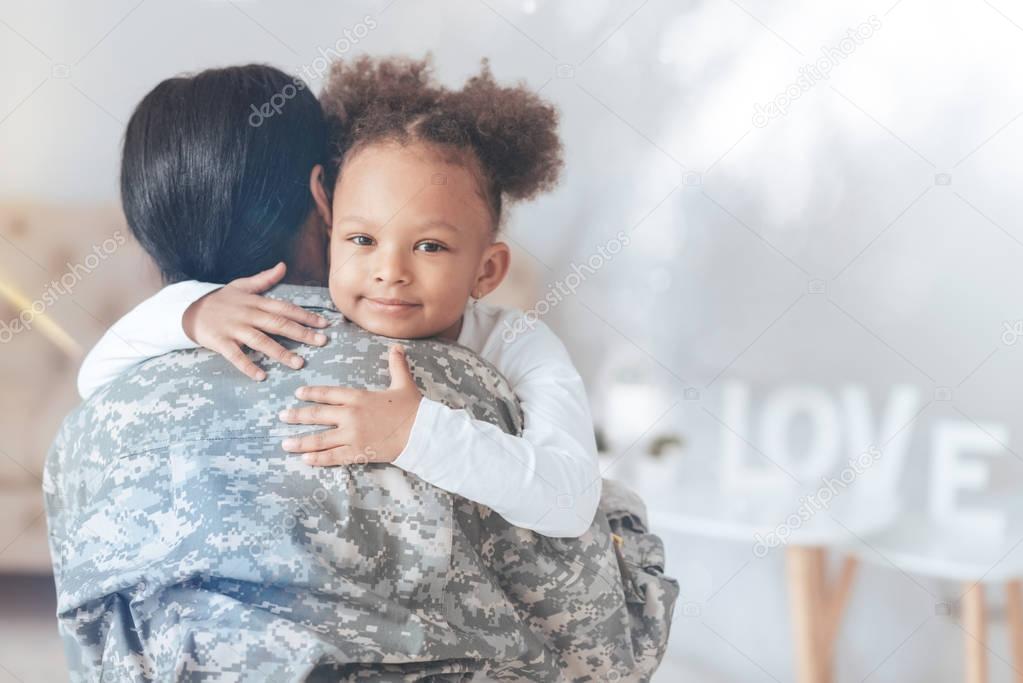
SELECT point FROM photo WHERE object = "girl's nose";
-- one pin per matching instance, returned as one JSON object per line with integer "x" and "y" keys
{"x": 391, "y": 268}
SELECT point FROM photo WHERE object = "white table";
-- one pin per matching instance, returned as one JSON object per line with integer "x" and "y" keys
{"x": 817, "y": 603}
{"x": 916, "y": 545}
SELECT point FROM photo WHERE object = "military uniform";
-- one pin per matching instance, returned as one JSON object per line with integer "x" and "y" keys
{"x": 187, "y": 545}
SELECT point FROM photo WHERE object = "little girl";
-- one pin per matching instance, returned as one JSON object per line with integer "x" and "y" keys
{"x": 413, "y": 198}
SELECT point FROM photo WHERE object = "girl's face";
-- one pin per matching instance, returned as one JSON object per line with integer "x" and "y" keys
{"x": 411, "y": 239}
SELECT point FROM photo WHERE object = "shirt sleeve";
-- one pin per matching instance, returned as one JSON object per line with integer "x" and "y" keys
{"x": 151, "y": 329}
{"x": 548, "y": 480}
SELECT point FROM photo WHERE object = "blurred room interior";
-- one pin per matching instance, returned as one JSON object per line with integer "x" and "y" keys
{"x": 788, "y": 233}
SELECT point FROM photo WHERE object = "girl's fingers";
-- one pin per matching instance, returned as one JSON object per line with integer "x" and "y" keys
{"x": 291, "y": 311}
{"x": 236, "y": 357}
{"x": 329, "y": 458}
{"x": 260, "y": 282}
{"x": 313, "y": 415}
{"x": 258, "y": 341}
{"x": 311, "y": 443}
{"x": 273, "y": 323}
{"x": 335, "y": 396}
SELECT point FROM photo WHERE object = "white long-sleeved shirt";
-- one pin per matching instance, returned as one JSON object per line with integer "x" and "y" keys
{"x": 548, "y": 480}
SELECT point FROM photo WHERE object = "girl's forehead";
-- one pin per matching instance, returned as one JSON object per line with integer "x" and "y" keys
{"x": 417, "y": 159}
{"x": 386, "y": 181}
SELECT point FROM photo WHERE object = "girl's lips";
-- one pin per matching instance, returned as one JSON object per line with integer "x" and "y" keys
{"x": 384, "y": 305}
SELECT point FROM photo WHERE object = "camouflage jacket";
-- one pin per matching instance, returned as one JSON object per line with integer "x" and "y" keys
{"x": 187, "y": 545}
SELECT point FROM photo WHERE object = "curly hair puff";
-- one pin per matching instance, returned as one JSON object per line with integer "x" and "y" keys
{"x": 509, "y": 133}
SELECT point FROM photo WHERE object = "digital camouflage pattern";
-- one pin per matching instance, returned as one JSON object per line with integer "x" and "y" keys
{"x": 187, "y": 545}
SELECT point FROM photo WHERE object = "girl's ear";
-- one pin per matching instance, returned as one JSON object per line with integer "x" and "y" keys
{"x": 493, "y": 269}
{"x": 320, "y": 195}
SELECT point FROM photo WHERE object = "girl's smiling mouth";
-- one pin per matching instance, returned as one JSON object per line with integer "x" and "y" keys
{"x": 394, "y": 306}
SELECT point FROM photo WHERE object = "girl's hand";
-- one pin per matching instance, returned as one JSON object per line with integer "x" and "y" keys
{"x": 369, "y": 426}
{"x": 237, "y": 315}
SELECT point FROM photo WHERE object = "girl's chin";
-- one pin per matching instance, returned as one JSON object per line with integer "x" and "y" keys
{"x": 387, "y": 328}
{"x": 397, "y": 324}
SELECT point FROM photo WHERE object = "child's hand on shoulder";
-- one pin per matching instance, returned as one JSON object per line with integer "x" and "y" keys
{"x": 236, "y": 315}
{"x": 368, "y": 426}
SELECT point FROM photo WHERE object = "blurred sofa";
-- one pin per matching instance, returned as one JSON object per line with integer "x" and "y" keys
{"x": 66, "y": 273}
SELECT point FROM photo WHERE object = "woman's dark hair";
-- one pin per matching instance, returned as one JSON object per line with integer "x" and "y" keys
{"x": 506, "y": 134}
{"x": 215, "y": 170}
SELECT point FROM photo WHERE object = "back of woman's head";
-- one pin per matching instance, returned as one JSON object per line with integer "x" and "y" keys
{"x": 215, "y": 170}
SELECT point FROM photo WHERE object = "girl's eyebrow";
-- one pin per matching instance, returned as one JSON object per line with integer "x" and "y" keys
{"x": 438, "y": 223}
{"x": 355, "y": 218}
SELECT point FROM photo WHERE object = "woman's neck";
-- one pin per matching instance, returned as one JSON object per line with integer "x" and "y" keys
{"x": 307, "y": 263}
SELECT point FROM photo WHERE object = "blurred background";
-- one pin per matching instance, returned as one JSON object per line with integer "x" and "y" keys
{"x": 785, "y": 256}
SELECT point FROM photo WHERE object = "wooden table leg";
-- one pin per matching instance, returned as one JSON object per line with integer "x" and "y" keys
{"x": 816, "y": 608}
{"x": 837, "y": 600}
{"x": 1014, "y": 610}
{"x": 803, "y": 566}
{"x": 974, "y": 616}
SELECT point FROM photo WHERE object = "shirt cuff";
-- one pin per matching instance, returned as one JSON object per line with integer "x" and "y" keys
{"x": 178, "y": 298}
{"x": 416, "y": 452}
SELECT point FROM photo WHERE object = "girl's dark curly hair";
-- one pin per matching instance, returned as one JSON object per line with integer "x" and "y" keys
{"x": 509, "y": 132}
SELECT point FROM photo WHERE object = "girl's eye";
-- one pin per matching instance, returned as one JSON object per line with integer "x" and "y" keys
{"x": 434, "y": 247}
{"x": 356, "y": 239}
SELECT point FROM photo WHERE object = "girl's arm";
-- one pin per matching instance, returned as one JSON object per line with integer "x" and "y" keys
{"x": 190, "y": 314}
{"x": 547, "y": 480}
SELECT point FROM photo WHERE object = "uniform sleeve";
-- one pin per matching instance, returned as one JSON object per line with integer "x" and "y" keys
{"x": 151, "y": 329}
{"x": 548, "y": 480}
